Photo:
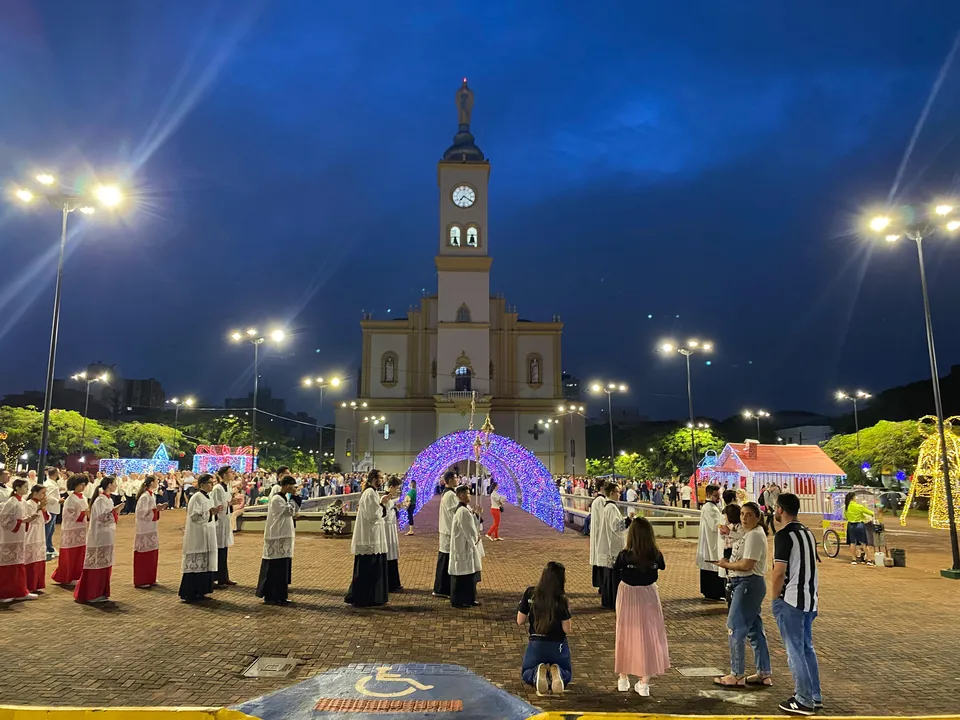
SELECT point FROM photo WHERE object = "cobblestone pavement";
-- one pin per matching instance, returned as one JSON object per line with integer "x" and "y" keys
{"x": 887, "y": 638}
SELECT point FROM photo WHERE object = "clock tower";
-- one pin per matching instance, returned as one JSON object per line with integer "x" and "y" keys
{"x": 463, "y": 262}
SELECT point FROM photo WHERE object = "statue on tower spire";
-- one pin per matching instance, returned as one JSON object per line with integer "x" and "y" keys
{"x": 464, "y": 105}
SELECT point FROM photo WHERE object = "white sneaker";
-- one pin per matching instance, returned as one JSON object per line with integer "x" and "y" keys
{"x": 7, "y": 600}
{"x": 29, "y": 596}
{"x": 623, "y": 684}
{"x": 643, "y": 689}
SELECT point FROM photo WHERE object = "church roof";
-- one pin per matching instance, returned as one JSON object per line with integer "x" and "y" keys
{"x": 795, "y": 459}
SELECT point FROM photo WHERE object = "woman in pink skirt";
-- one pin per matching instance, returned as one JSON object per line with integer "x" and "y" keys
{"x": 641, "y": 635}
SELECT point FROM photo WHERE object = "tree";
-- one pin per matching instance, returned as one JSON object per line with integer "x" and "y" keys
{"x": 632, "y": 465}
{"x": 597, "y": 467}
{"x": 137, "y": 439}
{"x": 673, "y": 451}
{"x": 23, "y": 427}
{"x": 887, "y": 446}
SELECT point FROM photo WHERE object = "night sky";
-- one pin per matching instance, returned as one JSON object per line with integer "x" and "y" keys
{"x": 659, "y": 169}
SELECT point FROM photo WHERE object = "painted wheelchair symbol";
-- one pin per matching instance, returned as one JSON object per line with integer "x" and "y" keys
{"x": 385, "y": 676}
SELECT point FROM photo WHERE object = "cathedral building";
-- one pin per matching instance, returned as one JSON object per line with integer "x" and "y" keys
{"x": 462, "y": 347}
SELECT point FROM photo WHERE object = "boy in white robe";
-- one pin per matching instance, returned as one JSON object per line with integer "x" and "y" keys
{"x": 610, "y": 542}
{"x": 199, "y": 564}
{"x": 222, "y": 497}
{"x": 276, "y": 565}
{"x": 596, "y": 531}
{"x": 465, "y": 560}
{"x": 710, "y": 547}
{"x": 369, "y": 547}
{"x": 448, "y": 506}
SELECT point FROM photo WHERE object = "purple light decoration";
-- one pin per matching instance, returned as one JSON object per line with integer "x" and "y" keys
{"x": 521, "y": 478}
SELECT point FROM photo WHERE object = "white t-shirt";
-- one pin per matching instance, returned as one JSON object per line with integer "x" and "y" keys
{"x": 685, "y": 492}
{"x": 752, "y": 546}
{"x": 631, "y": 495}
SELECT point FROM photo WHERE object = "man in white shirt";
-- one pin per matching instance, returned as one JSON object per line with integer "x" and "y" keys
{"x": 52, "y": 507}
{"x": 632, "y": 494}
{"x": 685, "y": 494}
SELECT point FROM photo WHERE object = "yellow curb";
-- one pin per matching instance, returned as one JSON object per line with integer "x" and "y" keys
{"x": 25, "y": 712}
{"x": 573, "y": 715}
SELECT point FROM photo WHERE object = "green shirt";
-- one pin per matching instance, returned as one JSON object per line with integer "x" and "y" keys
{"x": 412, "y": 497}
{"x": 857, "y": 513}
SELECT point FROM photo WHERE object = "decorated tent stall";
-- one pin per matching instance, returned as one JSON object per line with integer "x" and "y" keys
{"x": 159, "y": 463}
{"x": 805, "y": 470}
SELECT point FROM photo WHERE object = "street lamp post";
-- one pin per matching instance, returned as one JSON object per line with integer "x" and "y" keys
{"x": 354, "y": 405}
{"x": 374, "y": 421}
{"x": 177, "y": 404}
{"x": 321, "y": 383}
{"x": 66, "y": 202}
{"x": 854, "y": 397}
{"x": 570, "y": 411}
{"x": 749, "y": 414}
{"x": 82, "y": 377}
{"x": 256, "y": 339}
{"x": 916, "y": 226}
{"x": 688, "y": 349}
{"x": 610, "y": 388}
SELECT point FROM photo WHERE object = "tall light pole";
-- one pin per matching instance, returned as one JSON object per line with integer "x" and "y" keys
{"x": 354, "y": 405}
{"x": 854, "y": 397}
{"x": 375, "y": 422}
{"x": 570, "y": 411}
{"x": 321, "y": 383}
{"x": 177, "y": 404}
{"x": 916, "y": 225}
{"x": 253, "y": 337}
{"x": 610, "y": 388}
{"x": 750, "y": 414}
{"x": 687, "y": 349}
{"x": 66, "y": 201}
{"x": 82, "y": 377}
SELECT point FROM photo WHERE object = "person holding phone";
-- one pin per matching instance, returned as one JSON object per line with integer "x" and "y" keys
{"x": 94, "y": 584}
{"x": 199, "y": 563}
{"x": 276, "y": 564}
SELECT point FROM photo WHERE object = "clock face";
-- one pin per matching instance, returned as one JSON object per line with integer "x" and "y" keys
{"x": 464, "y": 196}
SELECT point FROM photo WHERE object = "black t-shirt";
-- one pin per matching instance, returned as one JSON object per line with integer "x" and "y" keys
{"x": 556, "y": 632}
{"x": 633, "y": 571}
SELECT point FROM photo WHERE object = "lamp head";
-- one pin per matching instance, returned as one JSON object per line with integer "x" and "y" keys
{"x": 879, "y": 223}
{"x": 667, "y": 347}
{"x": 24, "y": 195}
{"x": 943, "y": 210}
{"x": 277, "y": 335}
{"x": 189, "y": 402}
{"x": 335, "y": 381}
{"x": 109, "y": 195}
{"x": 45, "y": 179}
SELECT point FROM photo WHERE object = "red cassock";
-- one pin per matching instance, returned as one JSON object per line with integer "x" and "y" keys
{"x": 73, "y": 540}
{"x": 98, "y": 562}
{"x": 35, "y": 549}
{"x": 146, "y": 543}
{"x": 13, "y": 577}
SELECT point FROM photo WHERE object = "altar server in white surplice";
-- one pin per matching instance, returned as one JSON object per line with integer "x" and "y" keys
{"x": 596, "y": 531}
{"x": 94, "y": 583}
{"x": 392, "y": 530}
{"x": 276, "y": 564}
{"x": 222, "y": 497}
{"x": 609, "y": 545}
{"x": 465, "y": 552}
{"x": 369, "y": 547}
{"x": 448, "y": 506}
{"x": 199, "y": 564}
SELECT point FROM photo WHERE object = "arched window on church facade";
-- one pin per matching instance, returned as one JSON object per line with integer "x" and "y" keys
{"x": 473, "y": 236}
{"x": 463, "y": 380}
{"x": 455, "y": 236}
{"x": 463, "y": 313}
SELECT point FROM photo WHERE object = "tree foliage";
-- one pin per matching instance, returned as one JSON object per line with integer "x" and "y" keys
{"x": 672, "y": 453}
{"x": 598, "y": 466}
{"x": 23, "y": 427}
{"x": 885, "y": 446}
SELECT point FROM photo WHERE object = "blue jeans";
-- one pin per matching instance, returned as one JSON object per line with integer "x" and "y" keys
{"x": 744, "y": 623}
{"x": 550, "y": 652}
{"x": 48, "y": 531}
{"x": 796, "y": 629}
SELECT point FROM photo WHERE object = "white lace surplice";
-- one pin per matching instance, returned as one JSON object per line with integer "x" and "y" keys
{"x": 199, "y": 537}
{"x": 596, "y": 528}
{"x": 221, "y": 496}
{"x": 12, "y": 532}
{"x": 35, "y": 546}
{"x": 369, "y": 537}
{"x": 611, "y": 541}
{"x": 101, "y": 534}
{"x": 448, "y": 506}
{"x": 73, "y": 527}
{"x": 464, "y": 536}
{"x": 392, "y": 531}
{"x": 146, "y": 538}
{"x": 279, "y": 533}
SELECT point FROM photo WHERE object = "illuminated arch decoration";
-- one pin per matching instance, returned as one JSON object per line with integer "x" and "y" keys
{"x": 521, "y": 478}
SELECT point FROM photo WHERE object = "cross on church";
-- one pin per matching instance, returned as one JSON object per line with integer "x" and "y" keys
{"x": 535, "y": 431}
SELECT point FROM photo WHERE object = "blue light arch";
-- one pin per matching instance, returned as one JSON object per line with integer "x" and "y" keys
{"x": 521, "y": 478}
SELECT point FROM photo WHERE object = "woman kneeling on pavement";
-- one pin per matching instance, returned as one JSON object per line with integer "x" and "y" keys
{"x": 546, "y": 663}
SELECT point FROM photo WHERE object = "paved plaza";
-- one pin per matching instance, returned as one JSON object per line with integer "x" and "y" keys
{"x": 887, "y": 638}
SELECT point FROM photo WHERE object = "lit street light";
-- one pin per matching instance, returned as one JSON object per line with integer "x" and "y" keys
{"x": 82, "y": 377}
{"x": 692, "y": 346}
{"x": 354, "y": 405}
{"x": 252, "y": 336}
{"x": 854, "y": 397}
{"x": 321, "y": 383}
{"x": 66, "y": 201}
{"x": 177, "y": 404}
{"x": 610, "y": 388}
{"x": 570, "y": 411}
{"x": 916, "y": 224}
{"x": 374, "y": 422}
{"x": 750, "y": 414}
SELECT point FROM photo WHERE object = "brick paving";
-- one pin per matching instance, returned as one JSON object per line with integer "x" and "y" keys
{"x": 887, "y": 638}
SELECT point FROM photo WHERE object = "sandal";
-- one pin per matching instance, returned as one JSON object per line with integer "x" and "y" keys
{"x": 725, "y": 681}
{"x": 758, "y": 679}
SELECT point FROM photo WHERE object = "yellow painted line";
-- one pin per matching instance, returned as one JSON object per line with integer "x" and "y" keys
{"x": 572, "y": 715}
{"x": 25, "y": 712}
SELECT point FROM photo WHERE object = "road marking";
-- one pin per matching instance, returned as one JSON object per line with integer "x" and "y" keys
{"x": 385, "y": 676}
{"x": 736, "y": 698}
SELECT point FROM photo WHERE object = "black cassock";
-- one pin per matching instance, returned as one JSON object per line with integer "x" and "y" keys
{"x": 275, "y": 578}
{"x": 441, "y": 580}
{"x": 463, "y": 590}
{"x": 369, "y": 585}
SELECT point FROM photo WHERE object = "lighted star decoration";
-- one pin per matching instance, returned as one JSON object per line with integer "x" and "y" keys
{"x": 521, "y": 478}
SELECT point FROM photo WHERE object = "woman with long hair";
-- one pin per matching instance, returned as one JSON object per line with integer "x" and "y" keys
{"x": 641, "y": 647}
{"x": 13, "y": 534}
{"x": 856, "y": 515}
{"x": 35, "y": 545}
{"x": 73, "y": 531}
{"x": 546, "y": 663}
{"x": 496, "y": 510}
{"x": 746, "y": 568}
{"x": 94, "y": 583}
{"x": 146, "y": 540}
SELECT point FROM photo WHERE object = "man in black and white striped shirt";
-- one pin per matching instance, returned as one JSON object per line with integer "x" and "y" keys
{"x": 795, "y": 605}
